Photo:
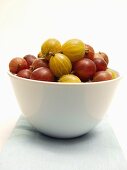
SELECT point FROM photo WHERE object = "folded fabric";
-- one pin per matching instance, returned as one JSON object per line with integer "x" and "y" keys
{"x": 27, "y": 149}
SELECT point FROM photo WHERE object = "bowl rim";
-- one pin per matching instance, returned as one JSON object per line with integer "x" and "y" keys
{"x": 65, "y": 84}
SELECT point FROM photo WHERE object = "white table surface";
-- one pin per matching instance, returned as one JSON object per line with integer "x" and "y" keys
{"x": 23, "y": 27}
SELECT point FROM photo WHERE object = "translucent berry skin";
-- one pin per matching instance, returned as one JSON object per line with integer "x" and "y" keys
{"x": 26, "y": 73}
{"x": 17, "y": 64}
{"x": 29, "y": 59}
{"x": 84, "y": 69}
{"x": 102, "y": 55}
{"x": 69, "y": 78}
{"x": 102, "y": 76}
{"x": 50, "y": 47}
{"x": 60, "y": 65}
{"x": 42, "y": 74}
{"x": 89, "y": 52}
{"x": 74, "y": 49}
{"x": 101, "y": 64}
{"x": 39, "y": 62}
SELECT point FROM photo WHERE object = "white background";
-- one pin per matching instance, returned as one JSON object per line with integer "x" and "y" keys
{"x": 25, "y": 24}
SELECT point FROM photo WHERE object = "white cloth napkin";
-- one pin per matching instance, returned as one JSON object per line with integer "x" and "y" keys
{"x": 27, "y": 149}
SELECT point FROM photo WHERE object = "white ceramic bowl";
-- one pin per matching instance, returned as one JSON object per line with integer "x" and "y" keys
{"x": 63, "y": 110}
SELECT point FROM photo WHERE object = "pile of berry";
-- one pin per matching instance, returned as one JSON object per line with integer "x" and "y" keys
{"x": 72, "y": 62}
